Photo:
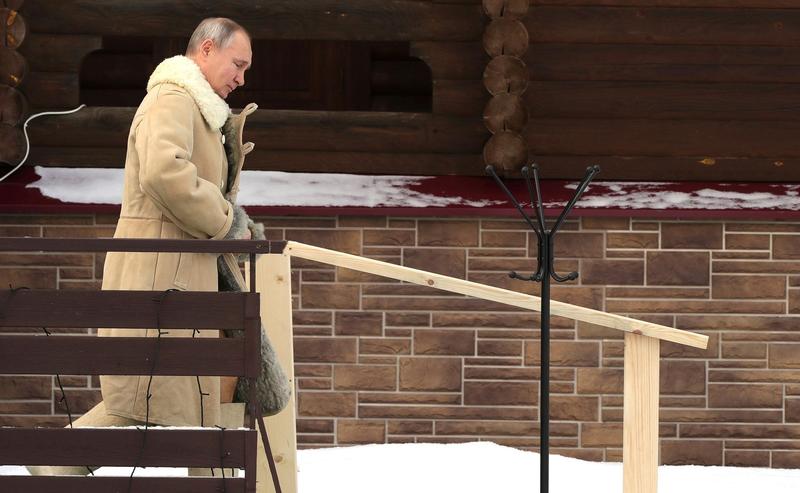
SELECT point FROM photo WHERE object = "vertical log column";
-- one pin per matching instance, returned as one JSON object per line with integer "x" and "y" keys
{"x": 506, "y": 78}
{"x": 13, "y": 68}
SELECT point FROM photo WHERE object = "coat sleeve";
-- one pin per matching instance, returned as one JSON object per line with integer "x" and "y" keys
{"x": 164, "y": 141}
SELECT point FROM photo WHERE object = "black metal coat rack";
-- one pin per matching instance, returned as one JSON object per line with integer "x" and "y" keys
{"x": 545, "y": 270}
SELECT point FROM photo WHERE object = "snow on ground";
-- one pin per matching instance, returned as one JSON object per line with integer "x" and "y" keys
{"x": 479, "y": 467}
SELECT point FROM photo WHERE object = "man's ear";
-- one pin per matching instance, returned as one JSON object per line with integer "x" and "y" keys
{"x": 206, "y": 46}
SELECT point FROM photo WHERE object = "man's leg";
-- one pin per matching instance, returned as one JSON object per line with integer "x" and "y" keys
{"x": 95, "y": 417}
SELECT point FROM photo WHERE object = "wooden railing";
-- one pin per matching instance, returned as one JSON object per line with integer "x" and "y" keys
{"x": 24, "y": 311}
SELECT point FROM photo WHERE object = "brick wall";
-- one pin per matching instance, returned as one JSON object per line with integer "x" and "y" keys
{"x": 382, "y": 361}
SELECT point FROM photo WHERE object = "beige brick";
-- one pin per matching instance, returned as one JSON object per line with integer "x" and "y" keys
{"x": 501, "y": 393}
{"x": 576, "y": 245}
{"x": 336, "y": 296}
{"x": 747, "y": 242}
{"x": 602, "y": 223}
{"x": 624, "y": 272}
{"x": 565, "y": 353}
{"x": 360, "y": 431}
{"x": 80, "y": 401}
{"x": 755, "y": 267}
{"x": 600, "y": 381}
{"x": 301, "y": 317}
{"x": 784, "y": 356}
{"x": 29, "y": 278}
{"x": 632, "y": 240}
{"x": 404, "y": 237}
{"x": 441, "y": 232}
{"x": 491, "y": 428}
{"x": 359, "y": 323}
{"x": 786, "y": 247}
{"x": 499, "y": 348}
{"x": 327, "y": 404}
{"x": 748, "y": 287}
{"x": 680, "y": 306}
{"x": 348, "y": 241}
{"x": 743, "y": 350}
{"x": 408, "y": 319}
{"x": 365, "y": 377}
{"x": 503, "y": 239}
{"x": 746, "y": 458}
{"x": 20, "y": 231}
{"x": 792, "y": 410}
{"x": 677, "y": 268}
{"x": 721, "y": 416}
{"x": 325, "y": 350}
{"x": 449, "y": 262}
{"x": 20, "y": 387}
{"x": 384, "y": 345}
{"x": 785, "y": 460}
{"x": 691, "y": 235}
{"x": 601, "y": 435}
{"x": 743, "y": 396}
{"x": 430, "y": 374}
{"x": 314, "y": 383}
{"x": 794, "y": 301}
{"x": 411, "y": 398}
{"x": 78, "y": 232}
{"x": 574, "y": 408}
{"x": 444, "y": 342}
{"x": 691, "y": 452}
{"x": 491, "y": 373}
{"x": 738, "y": 323}
{"x": 683, "y": 377}
{"x": 25, "y": 407}
{"x": 362, "y": 221}
{"x": 446, "y": 412}
{"x": 315, "y": 426}
{"x": 674, "y": 350}
{"x": 410, "y": 427}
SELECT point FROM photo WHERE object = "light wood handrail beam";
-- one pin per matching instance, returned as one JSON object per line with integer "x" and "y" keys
{"x": 491, "y": 293}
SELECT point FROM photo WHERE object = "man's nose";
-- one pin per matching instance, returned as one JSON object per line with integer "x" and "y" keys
{"x": 239, "y": 79}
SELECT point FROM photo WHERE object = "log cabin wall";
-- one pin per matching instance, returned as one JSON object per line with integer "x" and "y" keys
{"x": 648, "y": 89}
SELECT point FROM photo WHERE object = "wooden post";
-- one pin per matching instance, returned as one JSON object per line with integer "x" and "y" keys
{"x": 640, "y": 415}
{"x": 274, "y": 283}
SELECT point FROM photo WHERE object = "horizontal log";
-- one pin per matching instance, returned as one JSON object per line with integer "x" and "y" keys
{"x": 124, "y": 447}
{"x": 636, "y": 137}
{"x": 12, "y": 144}
{"x": 289, "y": 130}
{"x": 13, "y": 105}
{"x": 125, "y": 309}
{"x": 643, "y": 62}
{"x": 52, "y": 90}
{"x": 416, "y": 103}
{"x": 761, "y": 4}
{"x": 273, "y": 19}
{"x": 646, "y": 100}
{"x": 58, "y": 52}
{"x": 61, "y": 484}
{"x": 91, "y": 355}
{"x": 703, "y": 26}
{"x": 656, "y": 168}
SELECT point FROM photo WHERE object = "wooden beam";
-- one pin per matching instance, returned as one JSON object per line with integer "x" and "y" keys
{"x": 491, "y": 293}
{"x": 274, "y": 282}
{"x": 392, "y": 20}
{"x": 36, "y": 308}
{"x": 91, "y": 355}
{"x": 640, "y": 415}
{"x": 347, "y": 131}
{"x": 62, "y": 484}
{"x": 58, "y": 52}
{"x": 690, "y": 26}
{"x": 122, "y": 447}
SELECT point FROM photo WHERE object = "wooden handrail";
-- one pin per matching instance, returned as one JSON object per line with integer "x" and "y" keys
{"x": 491, "y": 293}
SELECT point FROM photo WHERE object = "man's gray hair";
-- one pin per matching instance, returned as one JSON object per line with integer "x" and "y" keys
{"x": 218, "y": 29}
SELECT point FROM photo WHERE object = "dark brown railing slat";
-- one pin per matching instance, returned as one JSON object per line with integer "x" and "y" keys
{"x": 125, "y": 309}
{"x": 90, "y": 355}
{"x": 123, "y": 447}
{"x": 70, "y": 484}
{"x": 138, "y": 245}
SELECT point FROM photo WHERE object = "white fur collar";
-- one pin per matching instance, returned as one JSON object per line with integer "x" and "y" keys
{"x": 182, "y": 71}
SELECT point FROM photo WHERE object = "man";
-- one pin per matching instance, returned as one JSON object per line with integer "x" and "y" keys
{"x": 179, "y": 184}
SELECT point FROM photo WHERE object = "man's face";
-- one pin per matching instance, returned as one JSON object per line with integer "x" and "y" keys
{"x": 224, "y": 68}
